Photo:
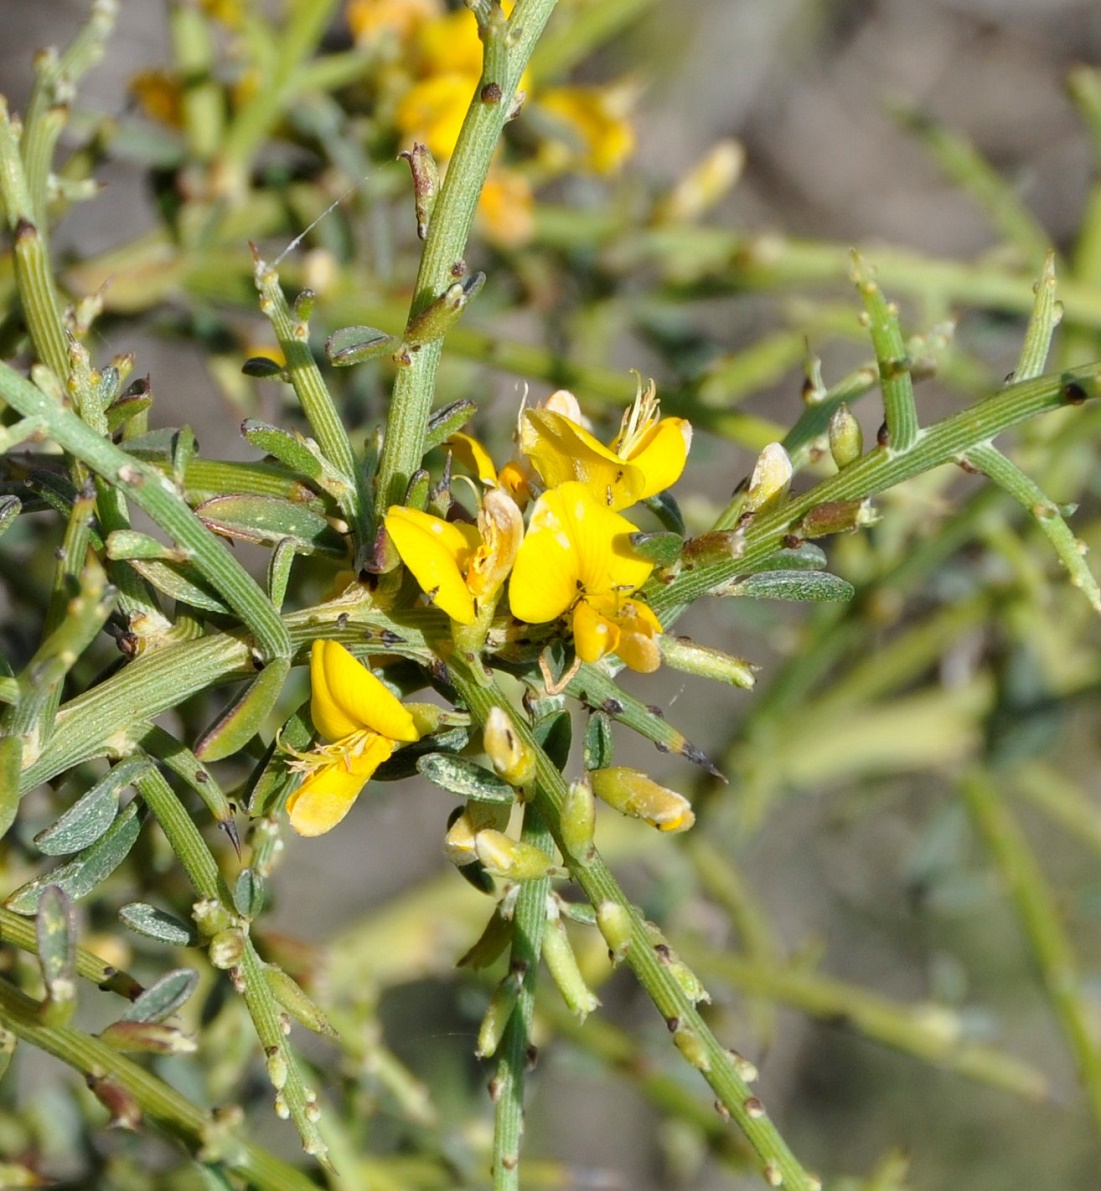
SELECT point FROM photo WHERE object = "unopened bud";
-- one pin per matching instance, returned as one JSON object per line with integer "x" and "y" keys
{"x": 691, "y": 1045}
{"x": 148, "y": 1036}
{"x": 426, "y": 184}
{"x": 211, "y": 916}
{"x": 510, "y": 859}
{"x": 632, "y": 793}
{"x": 846, "y": 437}
{"x": 477, "y": 816}
{"x": 770, "y": 480}
{"x": 705, "y": 184}
{"x": 578, "y": 821}
{"x": 836, "y": 516}
{"x": 227, "y": 948}
{"x": 614, "y": 923}
{"x": 562, "y": 965}
{"x": 511, "y": 756}
{"x": 498, "y": 1012}
{"x": 685, "y": 655}
{"x": 122, "y": 1105}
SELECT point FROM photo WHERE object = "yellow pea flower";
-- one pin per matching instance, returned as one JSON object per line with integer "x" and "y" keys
{"x": 506, "y": 209}
{"x": 370, "y": 19}
{"x": 576, "y": 557}
{"x": 596, "y": 120}
{"x": 645, "y": 457}
{"x": 459, "y": 566}
{"x": 361, "y": 721}
{"x": 512, "y": 478}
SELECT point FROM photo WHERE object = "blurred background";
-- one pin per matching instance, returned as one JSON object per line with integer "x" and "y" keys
{"x": 874, "y": 952}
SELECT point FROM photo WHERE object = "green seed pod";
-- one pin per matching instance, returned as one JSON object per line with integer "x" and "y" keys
{"x": 685, "y": 655}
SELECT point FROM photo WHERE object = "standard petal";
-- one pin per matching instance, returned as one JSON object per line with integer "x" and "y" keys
{"x": 323, "y": 799}
{"x": 545, "y": 577}
{"x": 662, "y": 454}
{"x": 606, "y": 561}
{"x": 561, "y": 451}
{"x": 437, "y": 552}
{"x": 347, "y": 697}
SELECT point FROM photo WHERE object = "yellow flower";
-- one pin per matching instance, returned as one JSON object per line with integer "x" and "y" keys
{"x": 369, "y": 19}
{"x": 361, "y": 721}
{"x": 646, "y": 456}
{"x": 506, "y": 209}
{"x": 432, "y": 111}
{"x": 577, "y": 557}
{"x": 158, "y": 95}
{"x": 512, "y": 478}
{"x": 595, "y": 119}
{"x": 459, "y": 566}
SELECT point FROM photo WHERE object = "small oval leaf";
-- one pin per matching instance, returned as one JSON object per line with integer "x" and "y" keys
{"x": 598, "y": 741}
{"x": 55, "y": 930}
{"x": 287, "y": 446}
{"x": 237, "y": 725}
{"x": 262, "y": 367}
{"x": 661, "y": 546}
{"x": 465, "y": 778}
{"x": 816, "y": 586}
{"x": 444, "y": 422}
{"x": 248, "y": 893}
{"x": 147, "y": 920}
{"x": 353, "y": 345}
{"x": 162, "y": 999}
{"x": 268, "y": 520}
{"x": 91, "y": 815}
{"x": 80, "y": 876}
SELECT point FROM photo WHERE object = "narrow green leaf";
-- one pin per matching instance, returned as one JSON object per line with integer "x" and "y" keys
{"x": 181, "y": 761}
{"x": 445, "y": 422}
{"x": 10, "y": 508}
{"x": 261, "y": 367}
{"x": 354, "y": 345}
{"x": 128, "y": 406}
{"x": 93, "y": 866}
{"x": 183, "y": 582}
{"x": 244, "y": 717}
{"x": 125, "y": 544}
{"x": 403, "y": 763}
{"x": 598, "y": 741}
{"x": 297, "y": 1002}
{"x": 288, "y": 446}
{"x": 815, "y": 586}
{"x": 664, "y": 506}
{"x": 162, "y": 999}
{"x": 11, "y": 766}
{"x": 465, "y": 778}
{"x": 662, "y": 547}
{"x": 555, "y": 734}
{"x": 92, "y": 814}
{"x": 55, "y": 931}
{"x": 279, "y": 570}
{"x": 147, "y": 920}
{"x": 807, "y": 557}
{"x": 268, "y": 520}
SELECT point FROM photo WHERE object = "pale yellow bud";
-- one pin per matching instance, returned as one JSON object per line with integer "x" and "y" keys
{"x": 770, "y": 480}
{"x": 632, "y": 793}
{"x": 509, "y": 754}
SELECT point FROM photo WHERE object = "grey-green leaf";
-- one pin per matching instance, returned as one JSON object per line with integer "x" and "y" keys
{"x": 163, "y": 999}
{"x": 94, "y": 865}
{"x": 268, "y": 520}
{"x": 91, "y": 815}
{"x": 55, "y": 929}
{"x": 183, "y": 582}
{"x": 288, "y": 446}
{"x": 147, "y": 920}
{"x": 465, "y": 778}
{"x": 815, "y": 586}
{"x": 353, "y": 345}
{"x": 248, "y": 893}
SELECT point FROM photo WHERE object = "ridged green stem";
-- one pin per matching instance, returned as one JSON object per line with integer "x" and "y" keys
{"x": 507, "y": 50}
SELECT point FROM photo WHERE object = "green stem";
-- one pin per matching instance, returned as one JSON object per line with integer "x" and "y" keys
{"x": 508, "y": 46}
{"x": 1039, "y": 918}
{"x": 781, "y": 1166}
{"x": 528, "y": 923}
{"x": 159, "y": 1102}
{"x": 880, "y": 469}
{"x": 154, "y": 494}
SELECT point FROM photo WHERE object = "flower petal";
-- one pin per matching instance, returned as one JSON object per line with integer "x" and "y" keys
{"x": 346, "y": 698}
{"x": 661, "y": 455}
{"x": 323, "y": 799}
{"x": 437, "y": 552}
{"x": 546, "y": 575}
{"x": 473, "y": 456}
{"x": 562, "y": 451}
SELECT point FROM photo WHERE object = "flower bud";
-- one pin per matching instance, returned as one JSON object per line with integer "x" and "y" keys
{"x": 578, "y": 821}
{"x": 614, "y": 923}
{"x": 846, "y": 437}
{"x": 510, "y": 859}
{"x": 691, "y": 1045}
{"x": 498, "y": 1012}
{"x": 632, "y": 793}
{"x": 227, "y": 948}
{"x": 685, "y": 655}
{"x": 770, "y": 480}
{"x": 704, "y": 184}
{"x": 562, "y": 965}
{"x": 511, "y": 756}
{"x": 211, "y": 916}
